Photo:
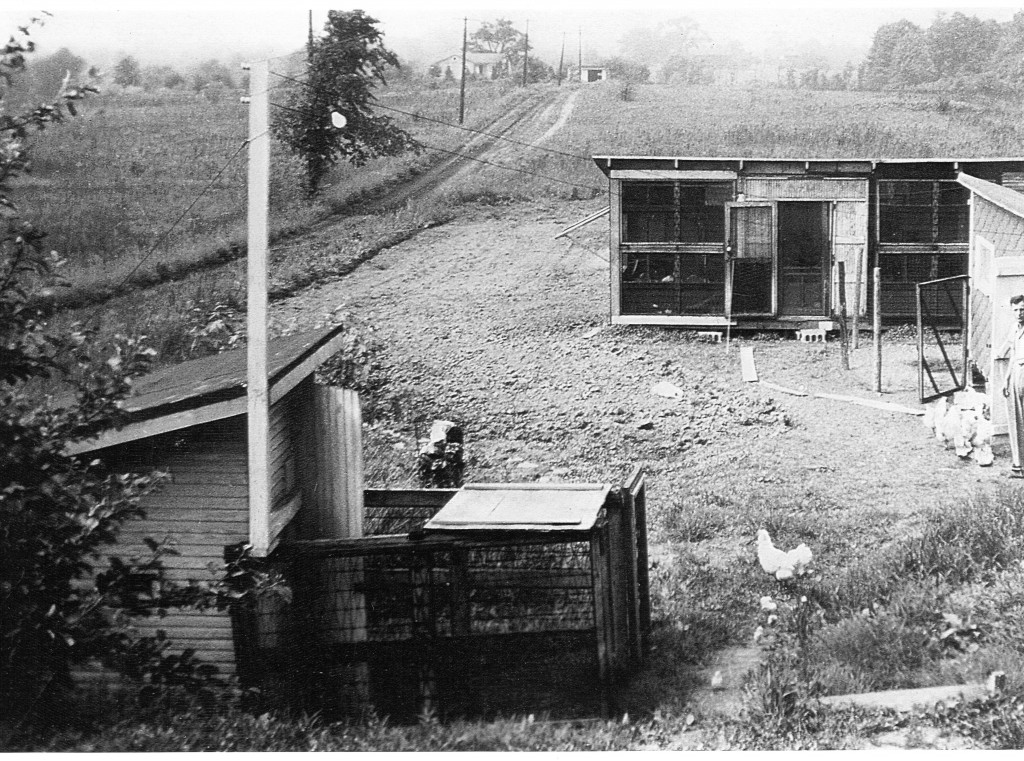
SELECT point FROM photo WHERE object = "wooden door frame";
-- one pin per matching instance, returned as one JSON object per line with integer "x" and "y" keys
{"x": 729, "y": 258}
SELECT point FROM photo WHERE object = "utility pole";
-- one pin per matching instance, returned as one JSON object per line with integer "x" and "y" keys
{"x": 579, "y": 73}
{"x": 561, "y": 60}
{"x": 526, "y": 51}
{"x": 258, "y": 399}
{"x": 309, "y": 44}
{"x": 462, "y": 78}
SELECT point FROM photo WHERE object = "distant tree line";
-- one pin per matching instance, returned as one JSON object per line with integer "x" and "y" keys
{"x": 44, "y": 75}
{"x": 955, "y": 50}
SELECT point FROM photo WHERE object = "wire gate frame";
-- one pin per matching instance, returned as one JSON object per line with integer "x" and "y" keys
{"x": 926, "y": 318}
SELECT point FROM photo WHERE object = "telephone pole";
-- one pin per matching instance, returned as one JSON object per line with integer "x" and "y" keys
{"x": 462, "y": 78}
{"x": 579, "y": 63}
{"x": 526, "y": 51}
{"x": 561, "y": 60}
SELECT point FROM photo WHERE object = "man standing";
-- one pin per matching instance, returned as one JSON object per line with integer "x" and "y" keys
{"x": 1013, "y": 388}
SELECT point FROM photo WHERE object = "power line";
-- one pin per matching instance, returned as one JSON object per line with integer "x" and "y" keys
{"x": 437, "y": 121}
{"x": 167, "y": 231}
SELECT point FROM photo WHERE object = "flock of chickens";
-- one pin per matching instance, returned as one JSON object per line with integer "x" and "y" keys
{"x": 963, "y": 424}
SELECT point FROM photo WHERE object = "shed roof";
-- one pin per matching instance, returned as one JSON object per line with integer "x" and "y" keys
{"x": 213, "y": 388}
{"x": 521, "y": 507}
{"x": 1000, "y": 195}
{"x": 829, "y": 164}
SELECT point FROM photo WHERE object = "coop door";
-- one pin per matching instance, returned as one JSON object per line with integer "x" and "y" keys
{"x": 750, "y": 285}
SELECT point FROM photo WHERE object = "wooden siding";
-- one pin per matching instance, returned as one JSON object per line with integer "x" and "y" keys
{"x": 201, "y": 508}
{"x": 804, "y": 189}
{"x": 850, "y": 246}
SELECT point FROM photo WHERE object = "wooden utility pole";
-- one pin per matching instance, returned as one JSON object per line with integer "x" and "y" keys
{"x": 309, "y": 43}
{"x": 526, "y": 52}
{"x": 579, "y": 62}
{"x": 462, "y": 78}
{"x": 561, "y": 60}
{"x": 258, "y": 407}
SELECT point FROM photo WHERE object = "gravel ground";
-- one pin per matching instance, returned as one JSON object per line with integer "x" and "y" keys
{"x": 491, "y": 322}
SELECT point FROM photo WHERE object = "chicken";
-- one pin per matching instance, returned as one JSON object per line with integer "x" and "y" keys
{"x": 784, "y": 565}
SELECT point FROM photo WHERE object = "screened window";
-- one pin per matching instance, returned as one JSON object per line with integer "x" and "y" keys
{"x": 674, "y": 212}
{"x": 922, "y": 211}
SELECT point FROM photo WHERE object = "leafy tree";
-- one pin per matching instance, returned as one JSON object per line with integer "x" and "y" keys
{"x": 503, "y": 38}
{"x": 878, "y": 69}
{"x": 345, "y": 64}
{"x": 157, "y": 77}
{"x": 627, "y": 70}
{"x": 211, "y": 72}
{"x": 962, "y": 45}
{"x": 911, "y": 62}
{"x": 128, "y": 72}
{"x": 654, "y": 47}
{"x": 47, "y": 74}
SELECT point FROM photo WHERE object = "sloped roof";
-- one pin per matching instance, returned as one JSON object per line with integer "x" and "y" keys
{"x": 200, "y": 381}
{"x": 521, "y": 507}
{"x": 213, "y": 388}
{"x": 1001, "y": 196}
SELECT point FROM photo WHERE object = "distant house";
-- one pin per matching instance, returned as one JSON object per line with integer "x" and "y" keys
{"x": 756, "y": 242}
{"x": 478, "y": 65}
{"x": 593, "y": 73}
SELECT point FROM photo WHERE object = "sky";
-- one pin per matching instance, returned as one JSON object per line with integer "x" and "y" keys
{"x": 185, "y": 32}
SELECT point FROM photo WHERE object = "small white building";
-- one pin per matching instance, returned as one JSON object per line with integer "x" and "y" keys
{"x": 593, "y": 73}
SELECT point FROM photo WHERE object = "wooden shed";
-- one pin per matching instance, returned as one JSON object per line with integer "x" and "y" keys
{"x": 189, "y": 421}
{"x": 756, "y": 242}
{"x": 996, "y": 274}
{"x": 593, "y": 74}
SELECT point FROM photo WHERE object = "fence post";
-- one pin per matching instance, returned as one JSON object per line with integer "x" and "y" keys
{"x": 599, "y": 585}
{"x": 877, "y": 308}
{"x": 423, "y": 629}
{"x": 920, "y": 346}
{"x": 856, "y": 299}
{"x": 844, "y": 335}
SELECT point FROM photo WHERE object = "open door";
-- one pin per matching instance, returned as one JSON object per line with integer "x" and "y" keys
{"x": 750, "y": 284}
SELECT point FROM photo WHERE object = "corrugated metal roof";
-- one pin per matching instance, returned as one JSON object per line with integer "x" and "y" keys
{"x": 1001, "y": 196}
{"x": 218, "y": 378}
{"x": 521, "y": 507}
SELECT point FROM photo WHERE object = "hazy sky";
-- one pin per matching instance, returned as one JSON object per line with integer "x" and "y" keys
{"x": 425, "y": 30}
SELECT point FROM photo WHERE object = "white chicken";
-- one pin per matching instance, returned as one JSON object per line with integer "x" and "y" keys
{"x": 784, "y": 565}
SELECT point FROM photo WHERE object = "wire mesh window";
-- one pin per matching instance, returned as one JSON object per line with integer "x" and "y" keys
{"x": 923, "y": 211}
{"x": 681, "y": 283}
{"x": 674, "y": 212}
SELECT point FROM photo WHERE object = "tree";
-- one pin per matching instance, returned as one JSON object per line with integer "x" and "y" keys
{"x": 345, "y": 65}
{"x": 157, "y": 77}
{"x": 211, "y": 72}
{"x": 502, "y": 38}
{"x": 878, "y": 67}
{"x": 654, "y": 47}
{"x": 962, "y": 45}
{"x": 56, "y": 512}
{"x": 624, "y": 69}
{"x": 47, "y": 74}
{"x": 911, "y": 62}
{"x": 128, "y": 72}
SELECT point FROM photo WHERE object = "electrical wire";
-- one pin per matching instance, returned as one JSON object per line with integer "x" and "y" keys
{"x": 168, "y": 230}
{"x": 436, "y": 121}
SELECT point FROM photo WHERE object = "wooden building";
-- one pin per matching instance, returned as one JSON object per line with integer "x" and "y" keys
{"x": 756, "y": 242}
{"x": 189, "y": 421}
{"x": 996, "y": 274}
{"x": 593, "y": 74}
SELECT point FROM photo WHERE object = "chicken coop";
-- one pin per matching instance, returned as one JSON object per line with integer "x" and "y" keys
{"x": 786, "y": 244}
{"x": 488, "y": 600}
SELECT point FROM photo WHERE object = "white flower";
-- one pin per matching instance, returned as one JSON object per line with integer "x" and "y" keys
{"x": 758, "y": 633}
{"x": 772, "y": 619}
{"x": 768, "y": 605}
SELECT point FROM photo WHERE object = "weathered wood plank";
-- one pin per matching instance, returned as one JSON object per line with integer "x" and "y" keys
{"x": 407, "y": 497}
{"x": 908, "y": 700}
